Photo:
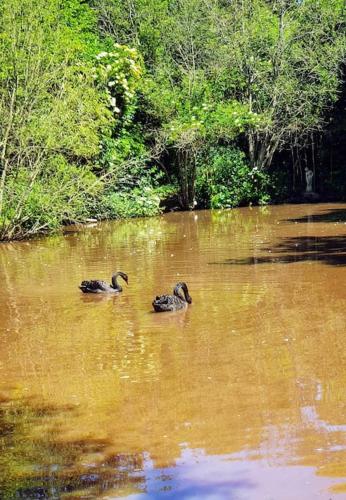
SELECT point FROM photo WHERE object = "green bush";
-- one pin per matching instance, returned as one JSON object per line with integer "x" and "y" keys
{"x": 135, "y": 203}
{"x": 225, "y": 180}
{"x": 42, "y": 203}
{"x": 135, "y": 190}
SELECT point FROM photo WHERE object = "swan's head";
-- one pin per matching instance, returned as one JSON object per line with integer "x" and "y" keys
{"x": 115, "y": 284}
{"x": 123, "y": 276}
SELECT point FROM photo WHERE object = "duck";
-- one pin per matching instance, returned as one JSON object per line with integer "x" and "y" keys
{"x": 164, "y": 303}
{"x": 98, "y": 286}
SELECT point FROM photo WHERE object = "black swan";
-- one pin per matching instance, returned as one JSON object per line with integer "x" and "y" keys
{"x": 173, "y": 302}
{"x": 98, "y": 286}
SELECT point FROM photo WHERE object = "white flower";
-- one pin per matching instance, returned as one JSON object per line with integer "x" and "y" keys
{"x": 101, "y": 54}
{"x": 111, "y": 84}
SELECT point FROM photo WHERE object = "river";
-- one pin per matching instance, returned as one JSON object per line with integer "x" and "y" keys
{"x": 242, "y": 396}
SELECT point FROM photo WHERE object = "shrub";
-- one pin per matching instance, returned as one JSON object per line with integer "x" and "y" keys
{"x": 134, "y": 191}
{"x": 135, "y": 203}
{"x": 42, "y": 203}
{"x": 225, "y": 180}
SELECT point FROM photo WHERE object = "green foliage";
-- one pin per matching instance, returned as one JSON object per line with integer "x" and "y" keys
{"x": 135, "y": 203}
{"x": 286, "y": 58}
{"x": 225, "y": 180}
{"x": 252, "y": 72}
{"x": 137, "y": 192}
{"x": 38, "y": 204}
{"x": 67, "y": 107}
{"x": 52, "y": 115}
{"x": 229, "y": 120}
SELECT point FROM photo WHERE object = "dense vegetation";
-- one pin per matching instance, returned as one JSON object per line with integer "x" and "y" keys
{"x": 109, "y": 107}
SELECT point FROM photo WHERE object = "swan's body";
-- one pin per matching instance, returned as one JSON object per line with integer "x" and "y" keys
{"x": 164, "y": 303}
{"x": 98, "y": 286}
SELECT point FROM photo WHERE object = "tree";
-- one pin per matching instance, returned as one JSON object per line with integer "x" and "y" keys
{"x": 287, "y": 57}
{"x": 183, "y": 107}
{"x": 279, "y": 61}
{"x": 52, "y": 115}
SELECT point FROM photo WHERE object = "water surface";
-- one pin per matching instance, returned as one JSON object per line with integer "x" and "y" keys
{"x": 242, "y": 396}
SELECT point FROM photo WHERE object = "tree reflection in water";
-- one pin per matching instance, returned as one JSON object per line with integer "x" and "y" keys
{"x": 36, "y": 463}
{"x": 329, "y": 250}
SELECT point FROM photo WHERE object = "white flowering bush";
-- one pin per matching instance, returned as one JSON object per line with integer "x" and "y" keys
{"x": 118, "y": 73}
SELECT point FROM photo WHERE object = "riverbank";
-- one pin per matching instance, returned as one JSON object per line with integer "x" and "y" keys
{"x": 164, "y": 207}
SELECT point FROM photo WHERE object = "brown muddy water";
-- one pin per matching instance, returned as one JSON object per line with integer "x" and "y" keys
{"x": 242, "y": 396}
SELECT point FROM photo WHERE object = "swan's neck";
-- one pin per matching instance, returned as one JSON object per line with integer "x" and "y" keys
{"x": 177, "y": 292}
{"x": 115, "y": 283}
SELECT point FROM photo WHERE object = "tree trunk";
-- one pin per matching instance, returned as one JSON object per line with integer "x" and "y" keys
{"x": 3, "y": 160}
{"x": 187, "y": 177}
